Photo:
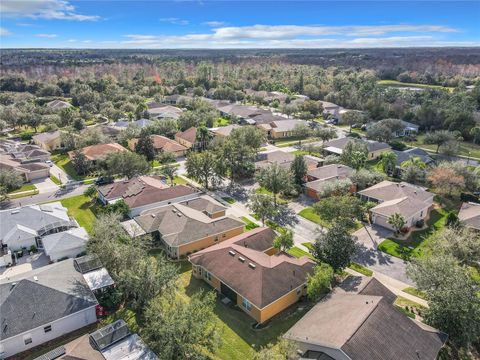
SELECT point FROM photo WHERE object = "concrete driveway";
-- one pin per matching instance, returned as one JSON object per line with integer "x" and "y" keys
{"x": 45, "y": 185}
{"x": 60, "y": 174}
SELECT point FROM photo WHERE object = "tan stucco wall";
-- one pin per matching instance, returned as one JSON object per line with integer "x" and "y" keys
{"x": 183, "y": 142}
{"x": 208, "y": 241}
{"x": 49, "y": 145}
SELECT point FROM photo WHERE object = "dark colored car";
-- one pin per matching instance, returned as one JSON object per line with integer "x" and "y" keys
{"x": 103, "y": 181}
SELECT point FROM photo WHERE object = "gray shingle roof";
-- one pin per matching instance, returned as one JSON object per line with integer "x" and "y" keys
{"x": 66, "y": 240}
{"x": 59, "y": 291}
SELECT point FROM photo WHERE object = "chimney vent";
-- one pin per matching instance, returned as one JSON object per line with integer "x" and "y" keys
{"x": 242, "y": 259}
{"x": 231, "y": 252}
{"x": 252, "y": 265}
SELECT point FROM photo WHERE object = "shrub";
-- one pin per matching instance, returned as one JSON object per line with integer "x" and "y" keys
{"x": 354, "y": 135}
{"x": 33, "y": 249}
{"x": 26, "y": 135}
{"x": 397, "y": 145}
{"x": 420, "y": 223}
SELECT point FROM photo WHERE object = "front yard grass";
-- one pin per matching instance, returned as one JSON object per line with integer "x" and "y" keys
{"x": 415, "y": 292}
{"x": 298, "y": 253}
{"x": 250, "y": 225}
{"x": 64, "y": 163}
{"x": 221, "y": 122}
{"x": 310, "y": 214}
{"x": 82, "y": 209}
{"x": 360, "y": 269}
{"x": 416, "y": 244}
{"x": 179, "y": 180}
{"x": 25, "y": 187}
{"x": 229, "y": 200}
{"x": 395, "y": 83}
{"x": 55, "y": 180}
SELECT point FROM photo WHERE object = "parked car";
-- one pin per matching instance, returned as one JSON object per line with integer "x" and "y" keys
{"x": 104, "y": 180}
{"x": 49, "y": 162}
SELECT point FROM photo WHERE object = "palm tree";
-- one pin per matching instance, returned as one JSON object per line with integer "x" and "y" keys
{"x": 397, "y": 221}
{"x": 414, "y": 161}
{"x": 169, "y": 171}
{"x": 203, "y": 135}
{"x": 388, "y": 162}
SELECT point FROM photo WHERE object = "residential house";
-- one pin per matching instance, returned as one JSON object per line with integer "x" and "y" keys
{"x": 375, "y": 148}
{"x": 282, "y": 128}
{"x": 162, "y": 144}
{"x": 285, "y": 159}
{"x": 319, "y": 177}
{"x": 26, "y": 226}
{"x": 407, "y": 129}
{"x": 266, "y": 118}
{"x": 224, "y": 131}
{"x": 162, "y": 111}
{"x": 65, "y": 244}
{"x": 411, "y": 201}
{"x": 48, "y": 140}
{"x": 406, "y": 155}
{"x": 241, "y": 112}
{"x": 97, "y": 152}
{"x": 94, "y": 274}
{"x": 187, "y": 138}
{"x": 176, "y": 99}
{"x": 123, "y": 124}
{"x": 145, "y": 192}
{"x": 58, "y": 105}
{"x": 43, "y": 304}
{"x": 248, "y": 271}
{"x": 25, "y": 153}
{"x": 358, "y": 321}
{"x": 29, "y": 171}
{"x": 469, "y": 215}
{"x": 331, "y": 109}
{"x": 189, "y": 226}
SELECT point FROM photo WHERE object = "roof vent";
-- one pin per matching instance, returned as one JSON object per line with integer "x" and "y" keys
{"x": 152, "y": 215}
{"x": 179, "y": 214}
{"x": 35, "y": 278}
{"x": 15, "y": 212}
{"x": 13, "y": 285}
{"x": 252, "y": 265}
{"x": 174, "y": 210}
{"x": 231, "y": 252}
{"x": 242, "y": 259}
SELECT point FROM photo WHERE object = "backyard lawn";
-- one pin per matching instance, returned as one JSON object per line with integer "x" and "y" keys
{"x": 82, "y": 209}
{"x": 395, "y": 83}
{"x": 221, "y": 122}
{"x": 417, "y": 242}
{"x": 466, "y": 149}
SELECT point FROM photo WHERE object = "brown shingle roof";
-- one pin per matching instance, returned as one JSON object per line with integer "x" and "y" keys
{"x": 470, "y": 215}
{"x": 95, "y": 152}
{"x": 189, "y": 135}
{"x": 328, "y": 172}
{"x": 162, "y": 143}
{"x": 271, "y": 278}
{"x": 388, "y": 190}
{"x": 143, "y": 190}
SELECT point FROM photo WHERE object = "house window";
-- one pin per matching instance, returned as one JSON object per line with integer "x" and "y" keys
{"x": 200, "y": 271}
{"x": 47, "y": 328}
{"x": 246, "y": 304}
{"x": 216, "y": 238}
{"x": 224, "y": 235}
{"x": 27, "y": 339}
{"x": 421, "y": 213}
{"x": 299, "y": 291}
{"x": 208, "y": 276}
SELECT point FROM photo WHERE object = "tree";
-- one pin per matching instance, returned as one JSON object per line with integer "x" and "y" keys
{"x": 397, "y": 221}
{"x": 125, "y": 163}
{"x": 178, "y": 329}
{"x": 353, "y": 117}
{"x": 454, "y": 304}
{"x": 284, "y": 241}
{"x": 10, "y": 180}
{"x": 440, "y": 138}
{"x": 326, "y": 134}
{"x": 388, "y": 162}
{"x": 364, "y": 178}
{"x": 413, "y": 174}
{"x": 320, "y": 282}
{"x": 91, "y": 192}
{"x": 460, "y": 242}
{"x": 355, "y": 154}
{"x": 301, "y": 131}
{"x": 144, "y": 146}
{"x": 119, "y": 207}
{"x": 446, "y": 181}
{"x": 169, "y": 171}
{"x": 336, "y": 187}
{"x": 345, "y": 208}
{"x": 299, "y": 170}
{"x": 202, "y": 167}
{"x": 335, "y": 247}
{"x": 149, "y": 278}
{"x": 262, "y": 205}
{"x": 275, "y": 179}
{"x": 475, "y": 133}
{"x": 80, "y": 162}
{"x": 203, "y": 136}
{"x": 283, "y": 350}
{"x": 384, "y": 130}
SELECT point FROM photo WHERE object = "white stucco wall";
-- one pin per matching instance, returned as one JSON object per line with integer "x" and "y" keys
{"x": 16, "y": 344}
{"x": 71, "y": 253}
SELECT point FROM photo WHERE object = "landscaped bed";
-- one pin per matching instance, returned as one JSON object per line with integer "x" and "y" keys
{"x": 416, "y": 244}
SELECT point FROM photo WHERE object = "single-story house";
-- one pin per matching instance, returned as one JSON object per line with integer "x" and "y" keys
{"x": 26, "y": 226}
{"x": 23, "y": 152}
{"x": 65, "y": 244}
{"x": 407, "y": 129}
{"x": 411, "y": 201}
{"x": 266, "y": 118}
{"x": 162, "y": 144}
{"x": 123, "y": 124}
{"x": 281, "y": 128}
{"x": 285, "y": 159}
{"x": 175, "y": 99}
{"x": 358, "y": 321}
{"x": 187, "y": 138}
{"x": 469, "y": 215}
{"x": 58, "y": 104}
{"x": 190, "y": 226}
{"x": 317, "y": 178}
{"x": 224, "y": 131}
{"x": 406, "y": 155}
{"x": 30, "y": 171}
{"x": 375, "y": 148}
{"x": 145, "y": 192}
{"x": 99, "y": 151}
{"x": 162, "y": 111}
{"x": 48, "y": 140}
{"x": 248, "y": 271}
{"x": 241, "y": 112}
{"x": 43, "y": 304}
{"x": 331, "y": 109}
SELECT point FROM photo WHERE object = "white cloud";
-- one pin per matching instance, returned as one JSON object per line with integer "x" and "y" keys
{"x": 175, "y": 21}
{"x": 48, "y": 36}
{"x": 214, "y": 23}
{"x": 4, "y": 32}
{"x": 42, "y": 9}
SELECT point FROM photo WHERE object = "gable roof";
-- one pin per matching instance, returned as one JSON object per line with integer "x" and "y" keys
{"x": 179, "y": 224}
{"x": 65, "y": 240}
{"x": 269, "y": 279}
{"x": 98, "y": 151}
{"x": 362, "y": 321}
{"x": 58, "y": 104}
{"x": 470, "y": 215}
{"x": 332, "y": 171}
{"x": 47, "y": 136}
{"x": 143, "y": 190}
{"x": 225, "y": 130}
{"x": 286, "y": 124}
{"x": 279, "y": 157}
{"x": 337, "y": 145}
{"x": 389, "y": 190}
{"x": 58, "y": 289}
{"x": 161, "y": 143}
{"x": 406, "y": 206}
{"x": 406, "y": 155}
{"x": 189, "y": 135}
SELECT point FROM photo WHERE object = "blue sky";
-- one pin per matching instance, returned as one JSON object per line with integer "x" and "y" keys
{"x": 237, "y": 24}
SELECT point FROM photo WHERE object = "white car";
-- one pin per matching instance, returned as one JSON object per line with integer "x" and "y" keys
{"x": 49, "y": 162}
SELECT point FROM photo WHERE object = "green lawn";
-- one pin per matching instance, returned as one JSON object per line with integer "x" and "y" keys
{"x": 82, "y": 209}
{"x": 221, "y": 122}
{"x": 466, "y": 149}
{"x": 239, "y": 341}
{"x": 179, "y": 180}
{"x": 309, "y": 214}
{"x": 292, "y": 141}
{"x": 360, "y": 269}
{"x": 303, "y": 152}
{"x": 415, "y": 292}
{"x": 25, "y": 187}
{"x": 249, "y": 224}
{"x": 417, "y": 242}
{"x": 64, "y": 162}
{"x": 229, "y": 200}
{"x": 280, "y": 199}
{"x": 395, "y": 83}
{"x": 298, "y": 253}
{"x": 55, "y": 180}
